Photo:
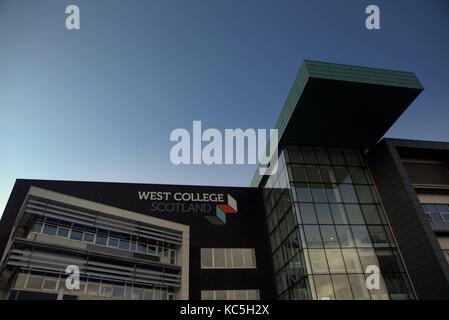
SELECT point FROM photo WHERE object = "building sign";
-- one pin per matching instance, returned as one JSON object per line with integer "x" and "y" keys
{"x": 214, "y": 206}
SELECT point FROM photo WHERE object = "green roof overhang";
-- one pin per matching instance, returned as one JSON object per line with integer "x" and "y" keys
{"x": 339, "y": 105}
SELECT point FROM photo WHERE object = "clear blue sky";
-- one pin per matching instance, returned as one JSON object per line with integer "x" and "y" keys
{"x": 100, "y": 103}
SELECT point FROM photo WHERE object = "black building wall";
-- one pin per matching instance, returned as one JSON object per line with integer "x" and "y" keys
{"x": 428, "y": 269}
{"x": 246, "y": 229}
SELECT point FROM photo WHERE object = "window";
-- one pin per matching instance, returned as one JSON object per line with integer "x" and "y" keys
{"x": 358, "y": 287}
{"x": 35, "y": 281}
{"x": 101, "y": 239}
{"x": 341, "y": 287}
{"x": 76, "y": 235}
{"x": 361, "y": 236}
{"x": 113, "y": 242}
{"x": 323, "y": 213}
{"x": 141, "y": 247}
{"x": 339, "y": 214}
{"x": 63, "y": 232}
{"x": 318, "y": 261}
{"x": 308, "y": 213}
{"x": 230, "y": 294}
{"x": 345, "y": 236}
{"x": 49, "y": 229}
{"x": 335, "y": 260}
{"x": 348, "y": 193}
{"x": 313, "y": 236}
{"x": 206, "y": 258}
{"x": 351, "y": 259}
{"x": 229, "y": 258}
{"x": 50, "y": 284}
{"x": 36, "y": 227}
{"x": 323, "y": 286}
{"x": 89, "y": 237}
{"x": 303, "y": 192}
{"x": 364, "y": 194}
{"x": 371, "y": 214}
{"x": 219, "y": 258}
{"x": 329, "y": 236}
{"x": 354, "y": 214}
{"x": 124, "y": 244}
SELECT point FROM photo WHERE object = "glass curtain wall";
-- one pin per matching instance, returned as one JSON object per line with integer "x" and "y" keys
{"x": 327, "y": 226}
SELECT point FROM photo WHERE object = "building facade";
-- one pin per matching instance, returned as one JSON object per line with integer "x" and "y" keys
{"x": 344, "y": 204}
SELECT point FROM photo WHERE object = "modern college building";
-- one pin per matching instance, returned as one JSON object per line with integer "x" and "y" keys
{"x": 343, "y": 201}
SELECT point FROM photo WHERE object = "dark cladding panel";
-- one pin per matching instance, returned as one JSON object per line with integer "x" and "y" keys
{"x": 422, "y": 255}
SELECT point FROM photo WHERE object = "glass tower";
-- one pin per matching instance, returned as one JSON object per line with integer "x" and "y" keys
{"x": 328, "y": 229}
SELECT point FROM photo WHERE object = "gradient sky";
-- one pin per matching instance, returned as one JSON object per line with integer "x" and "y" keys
{"x": 100, "y": 103}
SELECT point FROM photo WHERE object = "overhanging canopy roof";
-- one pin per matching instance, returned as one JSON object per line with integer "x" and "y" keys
{"x": 342, "y": 105}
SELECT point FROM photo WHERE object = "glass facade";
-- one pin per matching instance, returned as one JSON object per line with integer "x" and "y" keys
{"x": 327, "y": 225}
{"x": 437, "y": 215}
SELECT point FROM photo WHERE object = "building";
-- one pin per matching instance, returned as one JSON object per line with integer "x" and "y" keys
{"x": 342, "y": 202}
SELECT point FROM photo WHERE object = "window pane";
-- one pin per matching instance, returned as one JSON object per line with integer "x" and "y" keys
{"x": 339, "y": 214}
{"x": 303, "y": 192}
{"x": 35, "y": 281}
{"x": 113, "y": 242}
{"x": 341, "y": 287}
{"x": 63, "y": 232}
{"x": 345, "y": 236}
{"x": 76, "y": 235}
{"x": 364, "y": 194}
{"x": 308, "y": 213}
{"x": 219, "y": 258}
{"x": 89, "y": 237}
{"x": 370, "y": 213}
{"x": 124, "y": 244}
{"x": 294, "y": 155}
{"x": 332, "y": 193}
{"x": 368, "y": 258}
{"x": 141, "y": 247}
{"x": 351, "y": 259}
{"x": 361, "y": 236}
{"x": 49, "y": 230}
{"x": 313, "y": 236}
{"x": 318, "y": 261}
{"x": 348, "y": 193}
{"x": 299, "y": 173}
{"x": 328, "y": 174}
{"x": 357, "y": 175}
{"x": 329, "y": 236}
{"x": 342, "y": 175}
{"x": 237, "y": 257}
{"x": 354, "y": 214}
{"x": 253, "y": 294}
{"x": 313, "y": 174}
{"x": 92, "y": 288}
{"x": 378, "y": 236}
{"x": 318, "y": 194}
{"x": 37, "y": 227}
{"x": 359, "y": 287}
{"x": 101, "y": 239}
{"x": 309, "y": 155}
{"x": 335, "y": 260}
{"x": 323, "y": 213}
{"x": 221, "y": 295}
{"x": 250, "y": 259}
{"x": 323, "y": 286}
{"x": 207, "y": 295}
{"x": 206, "y": 258}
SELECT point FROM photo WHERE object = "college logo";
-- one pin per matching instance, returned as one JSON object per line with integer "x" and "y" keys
{"x": 222, "y": 210}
